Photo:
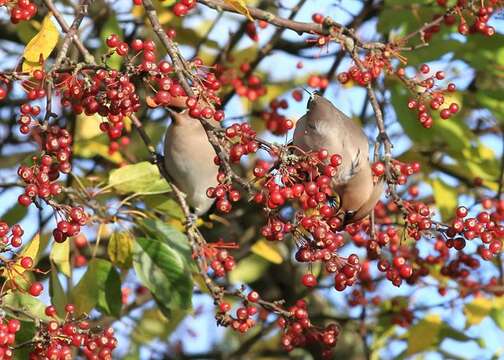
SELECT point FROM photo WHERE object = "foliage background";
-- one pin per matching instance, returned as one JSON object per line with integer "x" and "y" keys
{"x": 453, "y": 153}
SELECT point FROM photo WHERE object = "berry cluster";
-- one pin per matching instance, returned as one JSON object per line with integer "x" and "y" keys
{"x": 478, "y": 16}
{"x": 276, "y": 228}
{"x": 34, "y": 86}
{"x": 221, "y": 262}
{"x": 306, "y": 179}
{"x": 40, "y": 178}
{"x": 317, "y": 81}
{"x": 432, "y": 98}
{"x": 9, "y": 268}
{"x": 485, "y": 226}
{"x": 251, "y": 87}
{"x": 183, "y": 7}
{"x": 275, "y": 122}
{"x": 110, "y": 93}
{"x": 79, "y": 259}
{"x": 8, "y": 330}
{"x": 399, "y": 270}
{"x": 14, "y": 238}
{"x": 75, "y": 218}
{"x": 298, "y": 331}
{"x": 20, "y": 10}
{"x": 59, "y": 338}
{"x": 241, "y": 140}
{"x": 373, "y": 64}
{"x": 25, "y": 120}
{"x": 243, "y": 320}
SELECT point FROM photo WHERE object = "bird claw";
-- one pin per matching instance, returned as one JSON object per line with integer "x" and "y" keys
{"x": 157, "y": 158}
{"x": 190, "y": 220}
{"x": 347, "y": 216}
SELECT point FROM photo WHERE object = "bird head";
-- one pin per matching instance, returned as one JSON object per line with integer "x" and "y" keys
{"x": 321, "y": 110}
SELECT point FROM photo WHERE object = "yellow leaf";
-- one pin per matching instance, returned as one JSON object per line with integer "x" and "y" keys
{"x": 248, "y": 269}
{"x": 41, "y": 45}
{"x": 127, "y": 123}
{"x": 60, "y": 256}
{"x": 241, "y": 7}
{"x": 266, "y": 250}
{"x": 138, "y": 11}
{"x": 30, "y": 250}
{"x": 87, "y": 127}
{"x": 477, "y": 310}
{"x": 120, "y": 249}
{"x": 93, "y": 147}
{"x": 165, "y": 17}
{"x": 424, "y": 335}
{"x": 446, "y": 197}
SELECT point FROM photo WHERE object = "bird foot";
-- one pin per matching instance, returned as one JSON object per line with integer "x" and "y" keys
{"x": 190, "y": 220}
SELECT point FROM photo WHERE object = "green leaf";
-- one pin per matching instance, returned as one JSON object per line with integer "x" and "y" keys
{"x": 57, "y": 294}
{"x": 25, "y": 334}
{"x": 154, "y": 325}
{"x": 110, "y": 27}
{"x": 165, "y": 272}
{"x": 140, "y": 178}
{"x": 166, "y": 205}
{"x": 14, "y": 214}
{"x": 120, "y": 249}
{"x": 100, "y": 286}
{"x": 446, "y": 198}
{"x": 60, "y": 256}
{"x": 27, "y": 303}
{"x": 497, "y": 316}
{"x": 451, "y": 135}
{"x": 477, "y": 310}
{"x": 424, "y": 335}
{"x": 11, "y": 160}
{"x": 26, "y": 30}
{"x": 452, "y": 333}
{"x": 168, "y": 234}
{"x": 249, "y": 269}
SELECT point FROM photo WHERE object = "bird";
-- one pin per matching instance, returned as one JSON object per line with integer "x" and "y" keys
{"x": 189, "y": 160}
{"x": 325, "y": 126}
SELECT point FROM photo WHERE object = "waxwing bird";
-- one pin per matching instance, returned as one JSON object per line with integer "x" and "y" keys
{"x": 324, "y": 126}
{"x": 189, "y": 160}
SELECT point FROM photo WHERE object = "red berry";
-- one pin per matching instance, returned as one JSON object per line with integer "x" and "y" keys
{"x": 253, "y": 296}
{"x": 378, "y": 168}
{"x": 461, "y": 212}
{"x": 318, "y": 18}
{"x": 309, "y": 280}
{"x": 35, "y": 289}
{"x": 50, "y": 310}
{"x": 424, "y": 69}
{"x": 180, "y": 9}
{"x": 113, "y": 41}
{"x": 26, "y": 262}
{"x": 70, "y": 308}
{"x": 405, "y": 271}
